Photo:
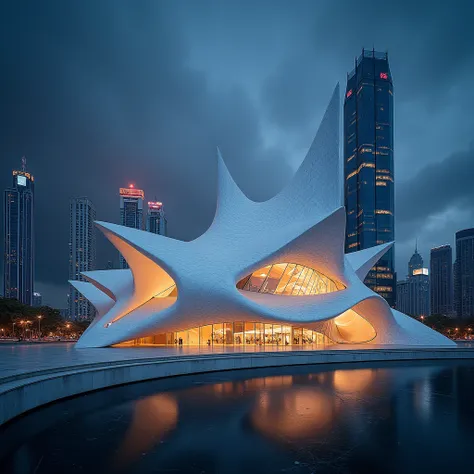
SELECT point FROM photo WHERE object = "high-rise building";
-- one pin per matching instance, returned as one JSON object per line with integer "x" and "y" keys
{"x": 413, "y": 294}
{"x": 131, "y": 211}
{"x": 155, "y": 219}
{"x": 464, "y": 274}
{"x": 37, "y": 299}
{"x": 441, "y": 280}
{"x": 19, "y": 254}
{"x": 368, "y": 165}
{"x": 82, "y": 254}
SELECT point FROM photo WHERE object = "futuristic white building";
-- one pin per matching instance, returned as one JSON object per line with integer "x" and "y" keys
{"x": 249, "y": 279}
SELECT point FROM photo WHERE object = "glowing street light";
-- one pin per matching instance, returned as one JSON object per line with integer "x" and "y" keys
{"x": 39, "y": 325}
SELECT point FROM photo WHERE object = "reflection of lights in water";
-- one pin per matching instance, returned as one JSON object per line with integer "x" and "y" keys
{"x": 423, "y": 398}
{"x": 269, "y": 382}
{"x": 293, "y": 414}
{"x": 352, "y": 381}
{"x": 153, "y": 418}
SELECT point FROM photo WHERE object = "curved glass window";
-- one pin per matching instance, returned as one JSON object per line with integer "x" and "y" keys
{"x": 289, "y": 279}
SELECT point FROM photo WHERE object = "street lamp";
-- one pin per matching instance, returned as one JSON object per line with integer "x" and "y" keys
{"x": 13, "y": 329}
{"x": 39, "y": 325}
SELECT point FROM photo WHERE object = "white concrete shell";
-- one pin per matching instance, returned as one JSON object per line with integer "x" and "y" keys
{"x": 244, "y": 237}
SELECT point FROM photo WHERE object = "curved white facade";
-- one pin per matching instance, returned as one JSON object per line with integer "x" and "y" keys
{"x": 174, "y": 285}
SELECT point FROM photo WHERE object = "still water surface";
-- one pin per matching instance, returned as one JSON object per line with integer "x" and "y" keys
{"x": 392, "y": 418}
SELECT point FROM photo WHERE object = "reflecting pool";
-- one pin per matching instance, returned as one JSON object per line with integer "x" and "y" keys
{"x": 389, "y": 418}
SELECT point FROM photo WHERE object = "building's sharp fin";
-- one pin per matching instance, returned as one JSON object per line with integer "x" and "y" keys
{"x": 363, "y": 260}
{"x": 101, "y": 301}
{"x": 111, "y": 282}
{"x": 316, "y": 186}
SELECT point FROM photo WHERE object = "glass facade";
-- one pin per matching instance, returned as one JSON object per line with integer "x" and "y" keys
{"x": 464, "y": 274}
{"x": 368, "y": 165}
{"x": 288, "y": 279}
{"x": 239, "y": 333}
{"x": 131, "y": 211}
{"x": 19, "y": 249}
{"x": 441, "y": 277}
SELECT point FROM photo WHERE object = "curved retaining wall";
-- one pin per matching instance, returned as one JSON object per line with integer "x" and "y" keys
{"x": 21, "y": 393}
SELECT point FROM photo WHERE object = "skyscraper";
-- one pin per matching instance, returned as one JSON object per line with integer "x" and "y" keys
{"x": 368, "y": 165}
{"x": 441, "y": 280}
{"x": 19, "y": 256}
{"x": 155, "y": 219}
{"x": 82, "y": 254}
{"x": 413, "y": 294}
{"x": 131, "y": 211}
{"x": 464, "y": 274}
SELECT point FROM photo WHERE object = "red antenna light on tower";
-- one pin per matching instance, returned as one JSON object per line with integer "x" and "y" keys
{"x": 131, "y": 186}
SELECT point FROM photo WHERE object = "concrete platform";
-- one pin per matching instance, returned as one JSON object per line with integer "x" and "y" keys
{"x": 32, "y": 375}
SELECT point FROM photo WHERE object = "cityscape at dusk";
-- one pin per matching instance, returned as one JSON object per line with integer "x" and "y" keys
{"x": 194, "y": 187}
{"x": 117, "y": 107}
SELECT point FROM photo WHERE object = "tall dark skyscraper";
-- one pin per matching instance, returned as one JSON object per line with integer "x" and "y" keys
{"x": 368, "y": 165}
{"x": 155, "y": 218}
{"x": 464, "y": 274}
{"x": 82, "y": 254}
{"x": 19, "y": 256}
{"x": 131, "y": 211}
{"x": 441, "y": 277}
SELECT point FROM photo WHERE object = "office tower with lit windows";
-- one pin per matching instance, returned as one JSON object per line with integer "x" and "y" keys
{"x": 155, "y": 218}
{"x": 131, "y": 211}
{"x": 19, "y": 247}
{"x": 82, "y": 254}
{"x": 441, "y": 280}
{"x": 413, "y": 294}
{"x": 464, "y": 274}
{"x": 368, "y": 165}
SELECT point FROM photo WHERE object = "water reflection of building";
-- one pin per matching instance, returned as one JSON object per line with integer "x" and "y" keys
{"x": 153, "y": 418}
{"x": 293, "y": 414}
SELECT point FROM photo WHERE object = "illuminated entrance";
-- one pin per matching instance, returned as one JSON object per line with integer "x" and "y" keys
{"x": 237, "y": 334}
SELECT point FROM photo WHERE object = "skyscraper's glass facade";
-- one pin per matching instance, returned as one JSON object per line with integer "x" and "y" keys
{"x": 131, "y": 211}
{"x": 155, "y": 220}
{"x": 441, "y": 275}
{"x": 464, "y": 274}
{"x": 368, "y": 165}
{"x": 19, "y": 238}
{"x": 82, "y": 254}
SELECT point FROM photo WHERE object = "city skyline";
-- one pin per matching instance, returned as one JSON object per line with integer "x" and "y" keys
{"x": 249, "y": 101}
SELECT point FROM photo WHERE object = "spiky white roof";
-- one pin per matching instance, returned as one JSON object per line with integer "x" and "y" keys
{"x": 304, "y": 224}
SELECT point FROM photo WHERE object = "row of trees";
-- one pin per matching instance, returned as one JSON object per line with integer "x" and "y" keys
{"x": 20, "y": 320}
{"x": 453, "y": 328}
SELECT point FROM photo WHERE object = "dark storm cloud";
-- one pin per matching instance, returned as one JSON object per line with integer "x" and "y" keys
{"x": 100, "y": 94}
{"x": 438, "y": 187}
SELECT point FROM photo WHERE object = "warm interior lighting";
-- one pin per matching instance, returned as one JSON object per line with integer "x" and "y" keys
{"x": 289, "y": 279}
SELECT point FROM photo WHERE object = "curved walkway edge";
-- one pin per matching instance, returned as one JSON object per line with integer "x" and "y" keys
{"x": 27, "y": 391}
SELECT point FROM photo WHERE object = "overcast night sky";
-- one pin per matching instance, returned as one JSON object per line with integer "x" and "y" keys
{"x": 99, "y": 94}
